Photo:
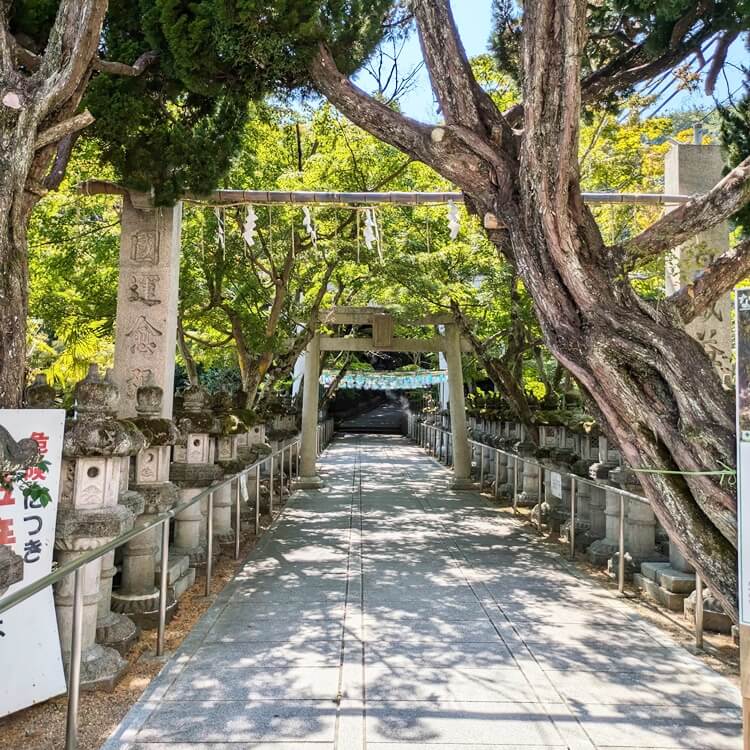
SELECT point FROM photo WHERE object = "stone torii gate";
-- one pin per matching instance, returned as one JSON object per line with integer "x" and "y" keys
{"x": 382, "y": 339}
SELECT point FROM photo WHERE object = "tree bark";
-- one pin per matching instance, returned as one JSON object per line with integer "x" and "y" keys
{"x": 501, "y": 375}
{"x": 654, "y": 385}
{"x": 39, "y": 96}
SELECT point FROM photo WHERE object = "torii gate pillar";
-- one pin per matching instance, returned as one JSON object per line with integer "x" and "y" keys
{"x": 461, "y": 455}
{"x": 309, "y": 452}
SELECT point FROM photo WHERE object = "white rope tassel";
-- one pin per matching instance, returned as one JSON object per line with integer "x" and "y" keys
{"x": 370, "y": 232}
{"x": 248, "y": 230}
{"x": 307, "y": 223}
{"x": 220, "y": 227}
{"x": 453, "y": 222}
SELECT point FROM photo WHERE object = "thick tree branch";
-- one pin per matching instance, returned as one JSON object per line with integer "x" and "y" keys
{"x": 437, "y": 147}
{"x": 190, "y": 366}
{"x": 449, "y": 69}
{"x": 721, "y": 276}
{"x": 718, "y": 59}
{"x": 409, "y": 135}
{"x": 62, "y": 157}
{"x": 71, "y": 48}
{"x": 637, "y": 64}
{"x": 698, "y": 214}
{"x": 63, "y": 129}
{"x": 123, "y": 69}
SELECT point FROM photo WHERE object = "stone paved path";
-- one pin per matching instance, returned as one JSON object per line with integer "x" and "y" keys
{"x": 385, "y": 612}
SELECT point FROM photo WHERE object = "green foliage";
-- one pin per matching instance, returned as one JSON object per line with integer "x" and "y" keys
{"x": 177, "y": 126}
{"x": 30, "y": 489}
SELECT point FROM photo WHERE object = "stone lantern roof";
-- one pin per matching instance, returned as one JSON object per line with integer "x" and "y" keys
{"x": 96, "y": 431}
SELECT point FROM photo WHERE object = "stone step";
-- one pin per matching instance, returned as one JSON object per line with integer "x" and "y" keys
{"x": 182, "y": 584}
{"x": 669, "y": 599}
{"x": 178, "y": 566}
{"x": 676, "y": 581}
{"x": 663, "y": 574}
{"x": 651, "y": 570}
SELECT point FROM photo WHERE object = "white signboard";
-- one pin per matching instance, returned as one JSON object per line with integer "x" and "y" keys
{"x": 742, "y": 322}
{"x": 555, "y": 484}
{"x": 32, "y": 668}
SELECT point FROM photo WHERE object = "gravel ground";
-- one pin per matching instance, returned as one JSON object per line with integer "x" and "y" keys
{"x": 42, "y": 727}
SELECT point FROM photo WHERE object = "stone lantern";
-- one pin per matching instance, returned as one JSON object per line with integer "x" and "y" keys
{"x": 193, "y": 469}
{"x": 89, "y": 515}
{"x": 528, "y": 472}
{"x": 138, "y": 596}
{"x": 608, "y": 459}
{"x": 230, "y": 428}
{"x": 251, "y": 446}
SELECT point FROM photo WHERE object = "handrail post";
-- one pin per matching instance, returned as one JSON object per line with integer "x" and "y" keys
{"x": 497, "y": 473}
{"x": 515, "y": 483}
{"x": 540, "y": 494}
{"x": 257, "y": 499}
{"x": 481, "y": 467}
{"x": 270, "y": 490}
{"x": 572, "y": 533}
{"x": 698, "y": 611}
{"x": 210, "y": 556}
{"x": 74, "y": 687}
{"x": 621, "y": 546}
{"x": 163, "y": 587}
{"x": 237, "y": 517}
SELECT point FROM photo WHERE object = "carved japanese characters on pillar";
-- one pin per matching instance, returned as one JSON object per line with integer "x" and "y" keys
{"x": 690, "y": 169}
{"x": 147, "y": 300}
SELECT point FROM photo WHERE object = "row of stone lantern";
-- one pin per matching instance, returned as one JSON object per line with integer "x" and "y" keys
{"x": 652, "y": 561}
{"x": 118, "y": 474}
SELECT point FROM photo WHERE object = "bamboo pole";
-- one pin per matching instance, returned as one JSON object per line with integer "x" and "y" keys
{"x": 307, "y": 197}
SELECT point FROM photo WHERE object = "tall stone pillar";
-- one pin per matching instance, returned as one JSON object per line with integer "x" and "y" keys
{"x": 146, "y": 327}
{"x": 461, "y": 456}
{"x": 89, "y": 515}
{"x": 689, "y": 169}
{"x": 308, "y": 477}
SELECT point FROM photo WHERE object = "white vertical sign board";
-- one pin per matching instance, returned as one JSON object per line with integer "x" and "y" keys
{"x": 742, "y": 323}
{"x": 32, "y": 668}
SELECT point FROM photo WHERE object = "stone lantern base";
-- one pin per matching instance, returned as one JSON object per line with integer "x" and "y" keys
{"x": 143, "y": 609}
{"x": 116, "y": 630}
{"x": 101, "y": 668}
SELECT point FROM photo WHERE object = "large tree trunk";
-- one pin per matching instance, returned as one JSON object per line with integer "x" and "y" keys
{"x": 14, "y": 274}
{"x": 40, "y": 95}
{"x": 654, "y": 384}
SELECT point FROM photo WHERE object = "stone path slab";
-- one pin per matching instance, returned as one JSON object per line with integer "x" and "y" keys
{"x": 387, "y": 612}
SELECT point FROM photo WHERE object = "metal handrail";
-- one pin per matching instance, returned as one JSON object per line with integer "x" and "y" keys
{"x": 423, "y": 436}
{"x": 324, "y": 433}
